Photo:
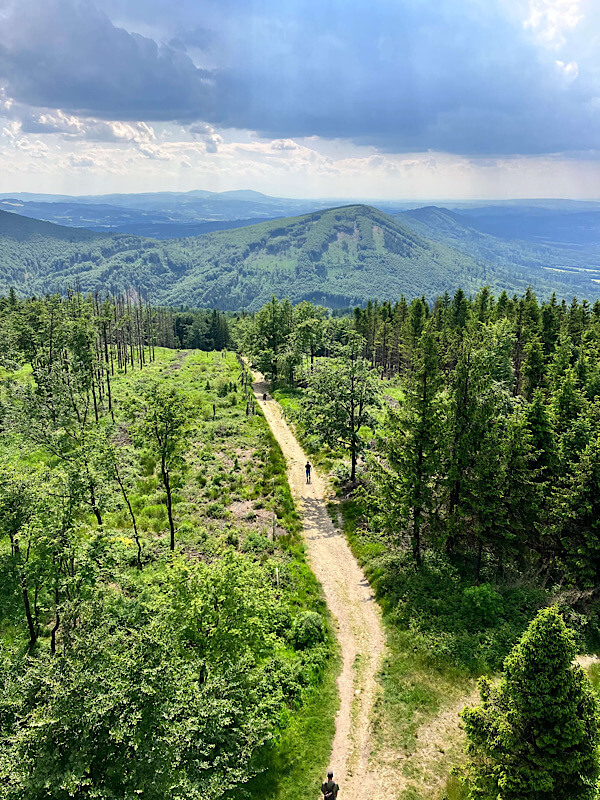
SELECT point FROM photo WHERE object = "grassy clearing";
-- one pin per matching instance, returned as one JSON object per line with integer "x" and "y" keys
{"x": 230, "y": 494}
{"x": 236, "y": 493}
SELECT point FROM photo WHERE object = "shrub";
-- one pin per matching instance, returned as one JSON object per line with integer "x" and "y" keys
{"x": 308, "y": 630}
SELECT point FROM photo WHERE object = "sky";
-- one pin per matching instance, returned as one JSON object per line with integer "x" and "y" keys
{"x": 382, "y": 99}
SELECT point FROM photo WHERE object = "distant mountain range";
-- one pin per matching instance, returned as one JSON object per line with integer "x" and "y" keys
{"x": 465, "y": 233}
{"x": 569, "y": 225}
{"x": 160, "y": 215}
{"x": 339, "y": 257}
{"x": 173, "y": 215}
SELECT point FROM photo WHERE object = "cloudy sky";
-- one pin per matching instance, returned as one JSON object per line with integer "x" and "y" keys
{"x": 302, "y": 98}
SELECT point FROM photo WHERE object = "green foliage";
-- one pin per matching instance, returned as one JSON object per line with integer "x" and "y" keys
{"x": 450, "y": 620}
{"x": 123, "y": 668}
{"x": 339, "y": 400}
{"x": 536, "y": 734}
{"x": 410, "y": 440}
{"x": 308, "y": 630}
{"x": 579, "y": 524}
{"x": 164, "y": 694}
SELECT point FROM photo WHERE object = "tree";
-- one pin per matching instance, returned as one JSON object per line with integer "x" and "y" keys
{"x": 534, "y": 370}
{"x": 20, "y": 499}
{"x": 543, "y": 440}
{"x": 268, "y": 335}
{"x": 308, "y": 329}
{"x": 170, "y": 695}
{"x": 521, "y": 491}
{"x": 340, "y": 396}
{"x": 463, "y": 431}
{"x": 410, "y": 444}
{"x": 160, "y": 417}
{"x": 579, "y": 519}
{"x": 535, "y": 735}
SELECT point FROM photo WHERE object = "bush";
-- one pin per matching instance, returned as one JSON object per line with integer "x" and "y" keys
{"x": 482, "y": 606}
{"x": 308, "y": 630}
{"x": 341, "y": 472}
{"x": 257, "y": 543}
{"x": 450, "y": 619}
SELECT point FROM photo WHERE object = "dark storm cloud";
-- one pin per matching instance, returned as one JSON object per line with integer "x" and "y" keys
{"x": 463, "y": 76}
{"x": 66, "y": 54}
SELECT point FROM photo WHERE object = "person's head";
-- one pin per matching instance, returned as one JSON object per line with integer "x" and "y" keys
{"x": 330, "y": 774}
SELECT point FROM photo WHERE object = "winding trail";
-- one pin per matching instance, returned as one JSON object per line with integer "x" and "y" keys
{"x": 353, "y": 606}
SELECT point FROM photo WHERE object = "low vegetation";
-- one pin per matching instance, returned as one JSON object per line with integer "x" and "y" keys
{"x": 160, "y": 631}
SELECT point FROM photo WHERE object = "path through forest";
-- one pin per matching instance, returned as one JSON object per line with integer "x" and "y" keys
{"x": 356, "y": 613}
{"x": 362, "y": 641}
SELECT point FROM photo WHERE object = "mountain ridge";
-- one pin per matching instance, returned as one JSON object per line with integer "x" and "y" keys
{"x": 339, "y": 257}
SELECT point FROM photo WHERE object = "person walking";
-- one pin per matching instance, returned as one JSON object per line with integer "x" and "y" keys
{"x": 307, "y": 469}
{"x": 329, "y": 787}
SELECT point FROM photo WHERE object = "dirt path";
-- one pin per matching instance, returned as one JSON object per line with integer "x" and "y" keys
{"x": 357, "y": 615}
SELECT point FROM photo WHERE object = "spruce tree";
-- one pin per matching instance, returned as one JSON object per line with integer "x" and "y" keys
{"x": 580, "y": 517}
{"x": 535, "y": 735}
{"x": 534, "y": 370}
{"x": 543, "y": 440}
{"x": 465, "y": 436}
{"x": 411, "y": 446}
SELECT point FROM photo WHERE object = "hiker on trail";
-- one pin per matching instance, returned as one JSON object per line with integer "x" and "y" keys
{"x": 265, "y": 397}
{"x": 330, "y": 788}
{"x": 308, "y": 469}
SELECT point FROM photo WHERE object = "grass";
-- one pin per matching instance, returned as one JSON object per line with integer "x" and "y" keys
{"x": 593, "y": 674}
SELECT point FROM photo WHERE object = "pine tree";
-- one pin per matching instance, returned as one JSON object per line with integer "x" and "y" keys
{"x": 535, "y": 736}
{"x": 580, "y": 517}
{"x": 464, "y": 435}
{"x": 410, "y": 445}
{"x": 534, "y": 370}
{"x": 550, "y": 324}
{"x": 543, "y": 439}
{"x": 521, "y": 491}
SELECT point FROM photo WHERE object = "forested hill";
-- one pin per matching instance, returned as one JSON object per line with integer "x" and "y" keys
{"x": 24, "y": 229}
{"x": 576, "y": 266}
{"x": 339, "y": 257}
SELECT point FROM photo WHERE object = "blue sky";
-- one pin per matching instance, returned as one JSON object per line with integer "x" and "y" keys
{"x": 338, "y": 98}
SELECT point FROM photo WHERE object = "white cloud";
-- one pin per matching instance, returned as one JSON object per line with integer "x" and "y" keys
{"x": 552, "y": 19}
{"x": 82, "y": 161}
{"x": 569, "y": 71}
{"x": 32, "y": 148}
{"x": 206, "y": 133}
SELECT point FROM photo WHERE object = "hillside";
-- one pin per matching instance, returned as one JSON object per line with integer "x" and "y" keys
{"x": 566, "y": 226}
{"x": 575, "y": 267}
{"x": 340, "y": 257}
